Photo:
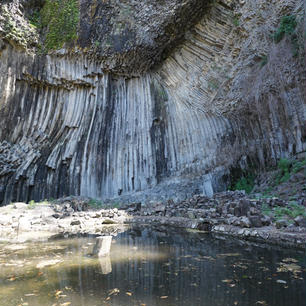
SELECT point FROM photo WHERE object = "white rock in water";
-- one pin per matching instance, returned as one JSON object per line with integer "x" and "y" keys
{"x": 103, "y": 245}
{"x": 105, "y": 264}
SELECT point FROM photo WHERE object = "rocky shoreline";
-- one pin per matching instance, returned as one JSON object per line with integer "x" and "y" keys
{"x": 231, "y": 213}
{"x": 227, "y": 213}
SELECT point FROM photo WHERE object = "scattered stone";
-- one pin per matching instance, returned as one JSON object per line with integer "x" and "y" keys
{"x": 245, "y": 222}
{"x": 281, "y": 223}
{"x": 266, "y": 220}
{"x": 75, "y": 222}
{"x": 255, "y": 221}
{"x": 214, "y": 214}
{"x": 300, "y": 221}
{"x": 108, "y": 221}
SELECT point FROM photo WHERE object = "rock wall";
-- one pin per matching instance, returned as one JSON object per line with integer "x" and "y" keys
{"x": 70, "y": 126}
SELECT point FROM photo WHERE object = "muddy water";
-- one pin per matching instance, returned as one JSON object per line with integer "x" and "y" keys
{"x": 148, "y": 267}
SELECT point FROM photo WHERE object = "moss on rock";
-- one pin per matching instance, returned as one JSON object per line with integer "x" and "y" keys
{"x": 59, "y": 21}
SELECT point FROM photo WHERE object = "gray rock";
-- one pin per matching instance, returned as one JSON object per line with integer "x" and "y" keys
{"x": 75, "y": 222}
{"x": 266, "y": 220}
{"x": 245, "y": 222}
{"x": 300, "y": 221}
{"x": 191, "y": 215}
{"x": 255, "y": 221}
{"x": 281, "y": 223}
{"x": 96, "y": 215}
{"x": 236, "y": 211}
{"x": 244, "y": 206}
{"x": 108, "y": 221}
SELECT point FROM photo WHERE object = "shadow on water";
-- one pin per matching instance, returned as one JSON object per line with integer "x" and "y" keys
{"x": 153, "y": 267}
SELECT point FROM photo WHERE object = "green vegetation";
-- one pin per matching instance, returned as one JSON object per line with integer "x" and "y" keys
{"x": 263, "y": 60}
{"x": 236, "y": 22}
{"x": 97, "y": 204}
{"x": 115, "y": 205}
{"x": 58, "y": 19}
{"x": 290, "y": 212}
{"x": 13, "y": 32}
{"x": 246, "y": 182}
{"x": 284, "y": 171}
{"x": 162, "y": 93}
{"x": 35, "y": 19}
{"x": 94, "y": 203}
{"x": 297, "y": 166}
{"x": 61, "y": 19}
{"x": 286, "y": 168}
{"x": 287, "y": 26}
{"x": 32, "y": 204}
{"x": 213, "y": 84}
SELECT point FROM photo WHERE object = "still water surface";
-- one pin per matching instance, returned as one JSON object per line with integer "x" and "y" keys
{"x": 151, "y": 267}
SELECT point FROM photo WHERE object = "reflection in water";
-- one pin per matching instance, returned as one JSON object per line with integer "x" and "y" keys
{"x": 105, "y": 264}
{"x": 151, "y": 267}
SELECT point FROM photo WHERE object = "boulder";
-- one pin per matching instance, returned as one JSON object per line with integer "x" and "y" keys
{"x": 266, "y": 220}
{"x": 102, "y": 246}
{"x": 281, "y": 223}
{"x": 300, "y": 221}
{"x": 255, "y": 221}
{"x": 75, "y": 222}
{"x": 108, "y": 221}
{"x": 245, "y": 222}
{"x": 244, "y": 206}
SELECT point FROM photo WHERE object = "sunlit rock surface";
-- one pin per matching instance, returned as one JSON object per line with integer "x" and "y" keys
{"x": 69, "y": 125}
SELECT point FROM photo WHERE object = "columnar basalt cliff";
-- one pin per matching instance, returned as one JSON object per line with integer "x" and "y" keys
{"x": 158, "y": 99}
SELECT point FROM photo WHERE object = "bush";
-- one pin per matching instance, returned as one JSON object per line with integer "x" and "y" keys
{"x": 32, "y": 204}
{"x": 298, "y": 166}
{"x": 291, "y": 211}
{"x": 284, "y": 171}
{"x": 95, "y": 204}
{"x": 244, "y": 183}
{"x": 263, "y": 60}
{"x": 287, "y": 26}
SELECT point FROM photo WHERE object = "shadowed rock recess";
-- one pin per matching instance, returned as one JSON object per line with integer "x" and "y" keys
{"x": 152, "y": 99}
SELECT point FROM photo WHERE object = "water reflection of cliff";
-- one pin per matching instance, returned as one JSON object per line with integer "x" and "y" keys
{"x": 155, "y": 268}
{"x": 160, "y": 268}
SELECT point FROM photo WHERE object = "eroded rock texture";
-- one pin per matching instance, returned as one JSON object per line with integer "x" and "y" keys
{"x": 226, "y": 97}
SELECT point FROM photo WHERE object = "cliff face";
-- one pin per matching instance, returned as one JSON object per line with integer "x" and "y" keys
{"x": 191, "y": 91}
